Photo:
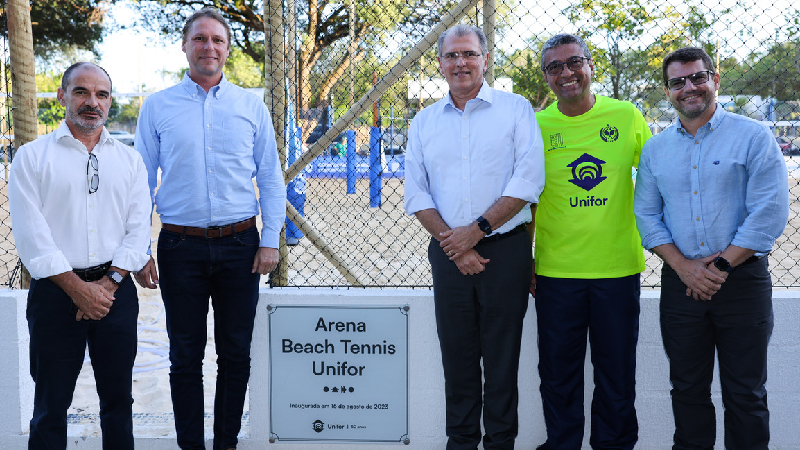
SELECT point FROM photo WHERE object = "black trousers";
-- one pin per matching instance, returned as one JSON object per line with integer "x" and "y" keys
{"x": 479, "y": 317}
{"x": 57, "y": 349}
{"x": 737, "y": 322}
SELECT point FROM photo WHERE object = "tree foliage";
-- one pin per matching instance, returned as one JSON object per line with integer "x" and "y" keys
{"x": 63, "y": 26}
{"x": 321, "y": 24}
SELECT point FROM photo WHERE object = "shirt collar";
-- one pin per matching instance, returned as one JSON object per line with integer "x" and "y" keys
{"x": 485, "y": 94}
{"x": 719, "y": 115}
{"x": 63, "y": 131}
{"x": 217, "y": 91}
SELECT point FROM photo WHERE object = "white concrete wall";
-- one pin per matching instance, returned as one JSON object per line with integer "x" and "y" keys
{"x": 426, "y": 380}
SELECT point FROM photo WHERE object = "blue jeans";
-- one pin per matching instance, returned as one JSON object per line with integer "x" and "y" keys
{"x": 57, "y": 349}
{"x": 608, "y": 310}
{"x": 192, "y": 269}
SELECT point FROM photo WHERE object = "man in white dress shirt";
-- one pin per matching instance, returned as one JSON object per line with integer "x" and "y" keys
{"x": 475, "y": 162}
{"x": 80, "y": 211}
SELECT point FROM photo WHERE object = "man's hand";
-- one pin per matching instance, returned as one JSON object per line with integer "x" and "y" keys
{"x": 93, "y": 301}
{"x": 148, "y": 276}
{"x": 471, "y": 263}
{"x": 266, "y": 260}
{"x": 701, "y": 282}
{"x": 457, "y": 241}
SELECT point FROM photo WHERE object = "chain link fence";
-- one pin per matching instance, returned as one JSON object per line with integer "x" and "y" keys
{"x": 351, "y": 195}
{"x": 754, "y": 44}
{"x": 10, "y": 266}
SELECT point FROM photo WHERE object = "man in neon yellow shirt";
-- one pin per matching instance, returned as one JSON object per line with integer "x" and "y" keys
{"x": 588, "y": 254}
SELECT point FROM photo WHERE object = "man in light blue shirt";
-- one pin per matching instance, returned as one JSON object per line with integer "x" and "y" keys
{"x": 210, "y": 139}
{"x": 711, "y": 198}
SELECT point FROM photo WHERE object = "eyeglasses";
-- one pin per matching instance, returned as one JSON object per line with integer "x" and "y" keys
{"x": 575, "y": 63}
{"x": 702, "y": 77}
{"x": 467, "y": 55}
{"x": 92, "y": 175}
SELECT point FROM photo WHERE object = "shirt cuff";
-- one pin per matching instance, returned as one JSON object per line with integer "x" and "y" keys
{"x": 523, "y": 190}
{"x": 654, "y": 240}
{"x": 419, "y": 202}
{"x": 129, "y": 260}
{"x": 753, "y": 240}
{"x": 48, "y": 265}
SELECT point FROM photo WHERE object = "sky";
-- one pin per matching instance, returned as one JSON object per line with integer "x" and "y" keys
{"x": 132, "y": 55}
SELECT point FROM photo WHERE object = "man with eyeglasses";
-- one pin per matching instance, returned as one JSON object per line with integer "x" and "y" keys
{"x": 712, "y": 196}
{"x": 80, "y": 212}
{"x": 474, "y": 163}
{"x": 588, "y": 256}
{"x": 210, "y": 139}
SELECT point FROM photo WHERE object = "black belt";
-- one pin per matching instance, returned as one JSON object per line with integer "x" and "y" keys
{"x": 496, "y": 237}
{"x": 212, "y": 232}
{"x": 93, "y": 273}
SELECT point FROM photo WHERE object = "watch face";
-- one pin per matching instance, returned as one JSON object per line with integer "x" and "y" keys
{"x": 115, "y": 277}
{"x": 722, "y": 264}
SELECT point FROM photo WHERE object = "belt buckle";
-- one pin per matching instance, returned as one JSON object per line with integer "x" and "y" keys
{"x": 212, "y": 229}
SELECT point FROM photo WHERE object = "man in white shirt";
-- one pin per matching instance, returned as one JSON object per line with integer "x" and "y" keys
{"x": 80, "y": 211}
{"x": 475, "y": 162}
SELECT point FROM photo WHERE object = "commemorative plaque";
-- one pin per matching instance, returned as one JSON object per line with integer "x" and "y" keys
{"x": 338, "y": 374}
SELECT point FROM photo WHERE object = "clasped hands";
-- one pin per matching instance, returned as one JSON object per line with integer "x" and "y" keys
{"x": 701, "y": 277}
{"x": 459, "y": 245}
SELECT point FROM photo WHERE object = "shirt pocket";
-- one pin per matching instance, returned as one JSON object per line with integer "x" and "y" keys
{"x": 495, "y": 156}
{"x": 239, "y": 137}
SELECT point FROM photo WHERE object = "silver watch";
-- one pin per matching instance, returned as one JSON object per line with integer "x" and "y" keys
{"x": 115, "y": 276}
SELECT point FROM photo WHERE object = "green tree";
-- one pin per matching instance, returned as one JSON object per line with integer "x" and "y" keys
{"x": 50, "y": 112}
{"x": 63, "y": 26}
{"x": 525, "y": 70}
{"x": 774, "y": 73}
{"x": 242, "y": 70}
{"x": 321, "y": 24}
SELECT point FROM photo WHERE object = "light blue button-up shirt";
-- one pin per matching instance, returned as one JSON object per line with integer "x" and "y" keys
{"x": 209, "y": 147}
{"x": 727, "y": 185}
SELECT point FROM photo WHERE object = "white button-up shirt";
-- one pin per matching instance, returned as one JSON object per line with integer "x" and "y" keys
{"x": 461, "y": 162}
{"x": 58, "y": 225}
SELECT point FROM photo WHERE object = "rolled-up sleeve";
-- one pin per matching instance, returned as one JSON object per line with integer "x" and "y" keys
{"x": 527, "y": 179}
{"x": 132, "y": 254}
{"x": 766, "y": 197}
{"x": 417, "y": 183}
{"x": 32, "y": 236}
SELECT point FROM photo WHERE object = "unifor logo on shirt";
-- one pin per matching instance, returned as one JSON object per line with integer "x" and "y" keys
{"x": 609, "y": 133}
{"x": 556, "y": 141}
{"x": 587, "y": 173}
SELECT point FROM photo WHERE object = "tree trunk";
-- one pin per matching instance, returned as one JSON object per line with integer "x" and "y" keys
{"x": 23, "y": 82}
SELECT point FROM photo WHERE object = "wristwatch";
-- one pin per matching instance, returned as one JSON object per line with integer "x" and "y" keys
{"x": 115, "y": 276}
{"x": 484, "y": 225}
{"x": 722, "y": 264}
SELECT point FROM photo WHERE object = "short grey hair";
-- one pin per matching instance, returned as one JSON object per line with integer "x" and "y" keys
{"x": 459, "y": 31}
{"x": 564, "y": 39}
{"x": 66, "y": 79}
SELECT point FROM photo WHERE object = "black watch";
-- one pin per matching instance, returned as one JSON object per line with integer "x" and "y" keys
{"x": 115, "y": 276}
{"x": 722, "y": 264}
{"x": 484, "y": 225}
